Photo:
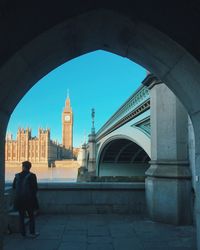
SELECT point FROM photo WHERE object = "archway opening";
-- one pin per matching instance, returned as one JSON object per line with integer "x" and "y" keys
{"x": 77, "y": 83}
{"x": 134, "y": 40}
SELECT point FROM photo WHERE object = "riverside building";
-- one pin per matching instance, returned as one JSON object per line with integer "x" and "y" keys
{"x": 41, "y": 150}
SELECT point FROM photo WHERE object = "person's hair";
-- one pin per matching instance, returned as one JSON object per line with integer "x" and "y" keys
{"x": 26, "y": 165}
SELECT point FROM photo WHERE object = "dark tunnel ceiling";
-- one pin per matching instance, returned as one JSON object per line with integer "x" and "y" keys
{"x": 124, "y": 151}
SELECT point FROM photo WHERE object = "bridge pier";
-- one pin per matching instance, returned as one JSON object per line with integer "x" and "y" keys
{"x": 168, "y": 182}
{"x": 91, "y": 164}
{"x": 83, "y": 155}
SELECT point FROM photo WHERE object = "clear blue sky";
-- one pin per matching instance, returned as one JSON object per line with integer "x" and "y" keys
{"x": 99, "y": 79}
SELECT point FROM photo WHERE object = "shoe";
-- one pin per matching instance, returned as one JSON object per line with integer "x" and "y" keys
{"x": 33, "y": 235}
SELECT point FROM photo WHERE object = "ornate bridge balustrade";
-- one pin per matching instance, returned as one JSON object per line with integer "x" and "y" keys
{"x": 137, "y": 103}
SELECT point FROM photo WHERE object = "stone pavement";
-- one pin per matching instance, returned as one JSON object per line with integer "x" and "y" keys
{"x": 103, "y": 232}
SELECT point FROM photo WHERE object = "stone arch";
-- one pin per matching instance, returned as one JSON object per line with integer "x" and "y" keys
{"x": 122, "y": 157}
{"x": 132, "y": 134}
{"x": 134, "y": 40}
{"x": 110, "y": 31}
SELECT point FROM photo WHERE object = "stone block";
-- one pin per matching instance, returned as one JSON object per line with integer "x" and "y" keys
{"x": 83, "y": 209}
{"x": 92, "y": 198}
{"x": 168, "y": 200}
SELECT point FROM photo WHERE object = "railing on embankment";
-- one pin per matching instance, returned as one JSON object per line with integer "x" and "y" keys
{"x": 92, "y": 198}
{"x": 79, "y": 198}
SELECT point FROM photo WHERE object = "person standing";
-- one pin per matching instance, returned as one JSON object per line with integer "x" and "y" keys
{"x": 25, "y": 199}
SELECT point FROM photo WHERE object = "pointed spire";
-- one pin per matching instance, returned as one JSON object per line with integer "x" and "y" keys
{"x": 67, "y": 103}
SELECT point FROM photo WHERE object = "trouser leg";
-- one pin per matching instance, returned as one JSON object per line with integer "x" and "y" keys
{"x": 21, "y": 221}
{"x": 31, "y": 221}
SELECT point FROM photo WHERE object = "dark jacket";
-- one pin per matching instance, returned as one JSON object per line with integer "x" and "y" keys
{"x": 25, "y": 190}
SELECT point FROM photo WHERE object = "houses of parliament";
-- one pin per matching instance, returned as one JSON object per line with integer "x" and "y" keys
{"x": 41, "y": 150}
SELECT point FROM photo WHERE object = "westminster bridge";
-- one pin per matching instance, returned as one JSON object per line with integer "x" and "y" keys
{"x": 123, "y": 140}
{"x": 149, "y": 136}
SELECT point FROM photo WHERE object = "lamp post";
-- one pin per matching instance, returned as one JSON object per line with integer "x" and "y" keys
{"x": 93, "y": 115}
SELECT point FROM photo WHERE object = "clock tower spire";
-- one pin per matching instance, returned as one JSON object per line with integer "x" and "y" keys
{"x": 67, "y": 125}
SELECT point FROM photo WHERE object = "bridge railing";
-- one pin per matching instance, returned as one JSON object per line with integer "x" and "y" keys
{"x": 140, "y": 96}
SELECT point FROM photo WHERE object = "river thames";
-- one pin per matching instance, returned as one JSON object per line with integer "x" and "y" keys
{"x": 57, "y": 174}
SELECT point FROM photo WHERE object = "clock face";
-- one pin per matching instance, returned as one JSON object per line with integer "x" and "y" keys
{"x": 67, "y": 118}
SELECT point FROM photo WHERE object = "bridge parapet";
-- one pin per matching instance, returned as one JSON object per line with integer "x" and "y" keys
{"x": 138, "y": 101}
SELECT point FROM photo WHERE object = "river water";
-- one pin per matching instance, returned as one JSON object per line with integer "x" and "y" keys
{"x": 57, "y": 174}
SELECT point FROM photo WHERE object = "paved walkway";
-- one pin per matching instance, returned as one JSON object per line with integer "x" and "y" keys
{"x": 103, "y": 232}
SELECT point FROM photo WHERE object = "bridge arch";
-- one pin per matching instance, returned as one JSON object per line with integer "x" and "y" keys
{"x": 123, "y": 157}
{"x": 129, "y": 137}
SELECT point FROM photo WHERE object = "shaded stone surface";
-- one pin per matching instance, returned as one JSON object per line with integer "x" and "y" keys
{"x": 103, "y": 232}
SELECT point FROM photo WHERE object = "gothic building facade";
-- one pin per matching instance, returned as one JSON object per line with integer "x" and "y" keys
{"x": 41, "y": 150}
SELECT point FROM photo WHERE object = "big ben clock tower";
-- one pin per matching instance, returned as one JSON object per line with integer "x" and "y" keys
{"x": 67, "y": 126}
